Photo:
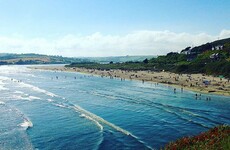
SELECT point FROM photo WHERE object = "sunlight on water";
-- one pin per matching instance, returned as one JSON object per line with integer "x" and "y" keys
{"x": 79, "y": 111}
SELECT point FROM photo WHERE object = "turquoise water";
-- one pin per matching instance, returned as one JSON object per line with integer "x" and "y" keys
{"x": 62, "y": 110}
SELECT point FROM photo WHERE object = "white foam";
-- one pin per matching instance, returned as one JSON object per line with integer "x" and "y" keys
{"x": 29, "y": 98}
{"x": 82, "y": 115}
{"x": 33, "y": 97}
{"x": 59, "y": 105}
{"x": 2, "y": 78}
{"x": 19, "y": 92}
{"x": 20, "y": 97}
{"x": 26, "y": 124}
{"x": 50, "y": 100}
{"x": 1, "y": 82}
{"x": 37, "y": 89}
{"x": 2, "y": 103}
{"x": 99, "y": 119}
{"x": 2, "y": 88}
{"x": 95, "y": 121}
{"x": 22, "y": 84}
{"x": 2, "y": 85}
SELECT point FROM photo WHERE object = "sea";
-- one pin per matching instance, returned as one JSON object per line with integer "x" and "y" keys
{"x": 54, "y": 110}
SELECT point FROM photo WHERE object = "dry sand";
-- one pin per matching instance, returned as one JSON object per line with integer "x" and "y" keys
{"x": 193, "y": 82}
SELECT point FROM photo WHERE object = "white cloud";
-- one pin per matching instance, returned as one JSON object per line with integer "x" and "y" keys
{"x": 136, "y": 43}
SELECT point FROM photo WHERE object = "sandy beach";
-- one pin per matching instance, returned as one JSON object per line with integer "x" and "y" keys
{"x": 195, "y": 82}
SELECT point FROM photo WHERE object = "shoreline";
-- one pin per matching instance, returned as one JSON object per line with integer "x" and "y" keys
{"x": 192, "y": 82}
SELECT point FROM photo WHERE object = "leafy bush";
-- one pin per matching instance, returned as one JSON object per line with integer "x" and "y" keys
{"x": 215, "y": 138}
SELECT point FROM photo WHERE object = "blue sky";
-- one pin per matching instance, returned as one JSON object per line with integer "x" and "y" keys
{"x": 24, "y": 23}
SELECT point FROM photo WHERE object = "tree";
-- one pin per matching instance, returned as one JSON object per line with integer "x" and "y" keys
{"x": 145, "y": 61}
{"x": 20, "y": 62}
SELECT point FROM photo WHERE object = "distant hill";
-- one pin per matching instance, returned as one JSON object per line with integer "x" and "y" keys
{"x": 23, "y": 59}
{"x": 117, "y": 59}
{"x": 31, "y": 58}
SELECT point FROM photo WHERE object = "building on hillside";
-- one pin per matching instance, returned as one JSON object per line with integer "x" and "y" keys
{"x": 218, "y": 47}
{"x": 186, "y": 51}
{"x": 214, "y": 56}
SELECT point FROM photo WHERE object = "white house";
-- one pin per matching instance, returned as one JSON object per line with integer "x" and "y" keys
{"x": 218, "y": 47}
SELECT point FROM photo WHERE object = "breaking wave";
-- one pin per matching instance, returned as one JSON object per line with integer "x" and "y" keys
{"x": 99, "y": 120}
{"x": 29, "y": 98}
{"x": 2, "y": 103}
{"x": 95, "y": 121}
{"x": 37, "y": 89}
{"x": 60, "y": 105}
{"x": 26, "y": 124}
{"x": 19, "y": 92}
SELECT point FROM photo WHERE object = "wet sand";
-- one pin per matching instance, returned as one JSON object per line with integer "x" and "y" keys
{"x": 195, "y": 82}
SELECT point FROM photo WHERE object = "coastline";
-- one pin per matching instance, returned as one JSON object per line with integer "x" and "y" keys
{"x": 193, "y": 82}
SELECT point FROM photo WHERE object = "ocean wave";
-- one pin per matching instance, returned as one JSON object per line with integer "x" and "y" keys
{"x": 99, "y": 119}
{"x": 19, "y": 92}
{"x": 26, "y": 121}
{"x": 34, "y": 97}
{"x": 1, "y": 82}
{"x": 89, "y": 118}
{"x": 37, "y": 89}
{"x": 3, "y": 78}
{"x": 93, "y": 117}
{"x": 174, "y": 110}
{"x": 2, "y": 103}
{"x": 26, "y": 124}
{"x": 22, "y": 84}
{"x": 29, "y": 98}
{"x": 88, "y": 115}
{"x": 50, "y": 100}
{"x": 2, "y": 88}
{"x": 187, "y": 119}
{"x": 60, "y": 105}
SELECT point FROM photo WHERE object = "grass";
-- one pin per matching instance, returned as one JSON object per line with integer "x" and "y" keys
{"x": 217, "y": 138}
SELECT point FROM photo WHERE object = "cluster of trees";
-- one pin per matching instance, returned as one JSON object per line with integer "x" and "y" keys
{"x": 122, "y": 66}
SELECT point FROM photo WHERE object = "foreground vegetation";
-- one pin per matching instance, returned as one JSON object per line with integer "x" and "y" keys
{"x": 217, "y": 138}
{"x": 205, "y": 59}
